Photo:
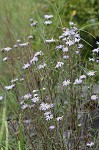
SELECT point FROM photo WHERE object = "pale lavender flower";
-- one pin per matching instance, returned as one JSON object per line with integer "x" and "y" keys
{"x": 59, "y": 64}
{"x": 78, "y": 81}
{"x": 34, "y": 60}
{"x": 47, "y": 113}
{"x": 94, "y": 97}
{"x": 34, "y": 23}
{"x": 65, "y": 56}
{"x": 5, "y": 59}
{"x": 26, "y": 66}
{"x": 50, "y": 41}
{"x": 42, "y": 66}
{"x": 7, "y": 49}
{"x": 91, "y": 59}
{"x": 91, "y": 73}
{"x": 9, "y": 87}
{"x": 52, "y": 127}
{"x": 82, "y": 77}
{"x": 1, "y": 97}
{"x": 30, "y": 37}
{"x": 27, "y": 96}
{"x": 48, "y": 16}
{"x": 48, "y": 22}
{"x": 35, "y": 99}
{"x": 66, "y": 82}
{"x": 24, "y": 44}
{"x": 95, "y": 50}
{"x": 90, "y": 144}
{"x": 45, "y": 106}
{"x": 49, "y": 117}
{"x": 80, "y": 46}
{"x": 65, "y": 49}
{"x": 97, "y": 43}
{"x": 59, "y": 47}
{"x": 59, "y": 118}
{"x": 14, "y": 80}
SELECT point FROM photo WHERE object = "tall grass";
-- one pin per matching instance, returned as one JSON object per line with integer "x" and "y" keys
{"x": 47, "y": 106}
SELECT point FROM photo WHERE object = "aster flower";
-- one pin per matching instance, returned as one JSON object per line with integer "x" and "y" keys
{"x": 9, "y": 87}
{"x": 47, "y": 113}
{"x": 45, "y": 106}
{"x": 34, "y": 23}
{"x": 52, "y": 127}
{"x": 26, "y": 66}
{"x": 59, "y": 118}
{"x": 5, "y": 59}
{"x": 59, "y": 47}
{"x": 24, "y": 44}
{"x": 34, "y": 60}
{"x": 80, "y": 46}
{"x": 7, "y": 49}
{"x": 59, "y": 64}
{"x": 49, "y": 117}
{"x": 30, "y": 37}
{"x": 91, "y": 73}
{"x": 1, "y": 97}
{"x": 15, "y": 46}
{"x": 35, "y": 99}
{"x": 65, "y": 56}
{"x": 14, "y": 80}
{"x": 97, "y": 43}
{"x": 40, "y": 53}
{"x": 48, "y": 16}
{"x": 78, "y": 81}
{"x": 90, "y": 144}
{"x": 66, "y": 82}
{"x": 48, "y": 22}
{"x": 42, "y": 66}
{"x": 27, "y": 96}
{"x": 65, "y": 49}
{"x": 95, "y": 50}
{"x": 82, "y": 77}
{"x": 91, "y": 59}
{"x": 94, "y": 97}
{"x": 50, "y": 41}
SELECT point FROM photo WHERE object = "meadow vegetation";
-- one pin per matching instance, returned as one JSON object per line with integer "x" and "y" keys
{"x": 49, "y": 55}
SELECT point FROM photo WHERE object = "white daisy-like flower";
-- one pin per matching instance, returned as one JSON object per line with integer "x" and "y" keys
{"x": 91, "y": 59}
{"x": 7, "y": 49}
{"x": 34, "y": 91}
{"x": 26, "y": 66}
{"x": 59, "y": 64}
{"x": 94, "y": 97}
{"x": 59, "y": 118}
{"x": 95, "y": 50}
{"x": 52, "y": 127}
{"x": 77, "y": 52}
{"x": 27, "y": 96}
{"x": 70, "y": 42}
{"x": 48, "y": 16}
{"x": 34, "y": 60}
{"x": 24, "y": 106}
{"x": 1, "y": 97}
{"x": 34, "y": 23}
{"x": 35, "y": 99}
{"x": 90, "y": 144}
{"x": 5, "y": 59}
{"x": 42, "y": 66}
{"x": 50, "y": 41}
{"x": 82, "y": 76}
{"x": 49, "y": 117}
{"x": 45, "y": 106}
{"x": 97, "y": 43}
{"x": 24, "y": 44}
{"x": 30, "y": 37}
{"x": 65, "y": 49}
{"x": 65, "y": 56}
{"x": 14, "y": 80}
{"x": 78, "y": 81}
{"x": 15, "y": 46}
{"x": 18, "y": 41}
{"x": 66, "y": 82}
{"x": 48, "y": 22}
{"x": 91, "y": 73}
{"x": 71, "y": 23}
{"x": 47, "y": 113}
{"x": 9, "y": 87}
{"x": 40, "y": 53}
{"x": 59, "y": 47}
{"x": 80, "y": 46}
